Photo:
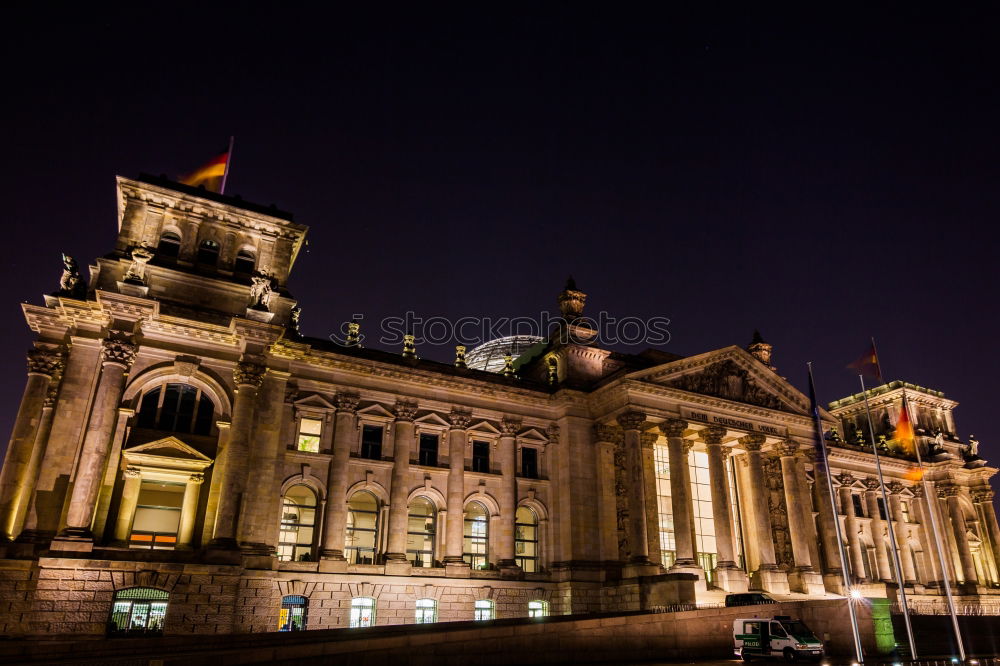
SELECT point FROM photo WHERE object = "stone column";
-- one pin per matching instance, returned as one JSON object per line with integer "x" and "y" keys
{"x": 854, "y": 545}
{"x": 126, "y": 509}
{"x": 189, "y": 510}
{"x": 335, "y": 518}
{"x": 728, "y": 575}
{"x": 117, "y": 358}
{"x": 983, "y": 498}
{"x": 648, "y": 441}
{"x": 215, "y": 487}
{"x": 680, "y": 492}
{"x": 509, "y": 426}
{"x": 921, "y": 505}
{"x": 631, "y": 422}
{"x": 802, "y": 578}
{"x": 396, "y": 562}
{"x": 604, "y": 438}
{"x": 767, "y": 576}
{"x": 14, "y": 476}
{"x": 828, "y": 523}
{"x": 950, "y": 493}
{"x": 458, "y": 436}
{"x": 233, "y": 458}
{"x": 878, "y": 529}
{"x": 895, "y": 515}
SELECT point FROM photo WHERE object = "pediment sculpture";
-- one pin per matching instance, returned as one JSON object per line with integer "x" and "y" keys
{"x": 729, "y": 381}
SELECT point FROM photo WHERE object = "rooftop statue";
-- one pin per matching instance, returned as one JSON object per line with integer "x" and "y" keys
{"x": 71, "y": 283}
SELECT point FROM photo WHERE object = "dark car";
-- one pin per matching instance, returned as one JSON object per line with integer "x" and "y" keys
{"x": 749, "y": 599}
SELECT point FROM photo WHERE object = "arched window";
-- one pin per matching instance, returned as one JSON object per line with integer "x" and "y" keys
{"x": 526, "y": 539}
{"x": 293, "y": 613}
{"x": 138, "y": 611}
{"x": 177, "y": 408}
{"x": 420, "y": 532}
{"x": 477, "y": 522}
{"x": 170, "y": 245}
{"x": 208, "y": 253}
{"x": 538, "y": 608}
{"x": 362, "y": 612}
{"x": 298, "y": 517}
{"x": 245, "y": 262}
{"x": 484, "y": 610}
{"x": 362, "y": 528}
{"x": 427, "y": 611}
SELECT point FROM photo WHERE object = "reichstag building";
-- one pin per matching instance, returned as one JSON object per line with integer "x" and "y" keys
{"x": 185, "y": 460}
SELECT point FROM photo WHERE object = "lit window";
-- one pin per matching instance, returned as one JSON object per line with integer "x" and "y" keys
{"x": 477, "y": 522}
{"x": 170, "y": 245}
{"x": 526, "y": 539}
{"x": 661, "y": 465}
{"x": 362, "y": 528}
{"x": 138, "y": 611}
{"x": 484, "y": 610}
{"x": 309, "y": 433}
{"x": 371, "y": 442}
{"x": 904, "y": 508}
{"x": 704, "y": 519}
{"x": 529, "y": 462}
{"x": 538, "y": 608}
{"x": 208, "y": 253}
{"x": 293, "y": 613}
{"x": 420, "y": 530}
{"x": 426, "y": 611}
{"x": 244, "y": 263}
{"x": 362, "y": 612}
{"x": 157, "y": 515}
{"x": 298, "y": 518}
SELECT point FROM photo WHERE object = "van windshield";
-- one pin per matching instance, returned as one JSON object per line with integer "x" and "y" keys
{"x": 797, "y": 629}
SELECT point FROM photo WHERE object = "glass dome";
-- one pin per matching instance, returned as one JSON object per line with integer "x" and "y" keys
{"x": 489, "y": 355}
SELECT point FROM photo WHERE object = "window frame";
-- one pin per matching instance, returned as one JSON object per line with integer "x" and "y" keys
{"x": 355, "y": 619}
{"x": 478, "y": 561}
{"x": 432, "y": 534}
{"x": 289, "y": 603}
{"x": 351, "y": 530}
{"x": 284, "y": 526}
{"x": 538, "y": 608}
{"x": 420, "y": 448}
{"x": 536, "y": 558}
{"x": 201, "y": 400}
{"x": 487, "y": 608}
{"x": 173, "y": 236}
{"x": 474, "y": 458}
{"x": 207, "y": 244}
{"x": 363, "y": 427}
{"x": 299, "y": 435}
{"x": 425, "y": 611}
{"x": 124, "y": 603}
{"x": 537, "y": 453}
{"x": 245, "y": 253}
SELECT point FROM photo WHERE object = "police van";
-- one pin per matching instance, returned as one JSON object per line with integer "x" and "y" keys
{"x": 780, "y": 636}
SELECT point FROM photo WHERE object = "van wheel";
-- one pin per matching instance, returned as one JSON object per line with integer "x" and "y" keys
{"x": 790, "y": 655}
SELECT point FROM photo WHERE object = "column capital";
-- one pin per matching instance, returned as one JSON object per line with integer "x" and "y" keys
{"x": 674, "y": 427}
{"x": 196, "y": 479}
{"x": 132, "y": 473}
{"x": 787, "y": 448}
{"x": 631, "y": 420}
{"x": 713, "y": 434}
{"x": 753, "y": 442}
{"x": 918, "y": 490}
{"x": 248, "y": 374}
{"x": 726, "y": 452}
{"x": 648, "y": 439}
{"x": 509, "y": 425}
{"x": 118, "y": 352}
{"x": 982, "y": 495}
{"x": 405, "y": 410}
{"x": 947, "y": 490}
{"x": 871, "y": 483}
{"x": 459, "y": 418}
{"x": 44, "y": 362}
{"x": 347, "y": 402}
{"x": 552, "y": 432}
{"x": 606, "y": 433}
{"x": 845, "y": 479}
{"x": 687, "y": 445}
{"x": 895, "y": 487}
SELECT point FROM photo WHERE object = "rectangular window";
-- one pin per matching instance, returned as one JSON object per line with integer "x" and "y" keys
{"x": 661, "y": 466}
{"x": 371, "y": 442}
{"x": 428, "y": 450}
{"x": 904, "y": 508}
{"x": 881, "y": 509}
{"x": 704, "y": 519}
{"x": 859, "y": 510}
{"x": 529, "y": 462}
{"x": 309, "y": 432}
{"x": 481, "y": 457}
{"x": 484, "y": 610}
{"x": 362, "y": 612}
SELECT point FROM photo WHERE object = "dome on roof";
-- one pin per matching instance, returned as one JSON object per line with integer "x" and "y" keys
{"x": 489, "y": 355}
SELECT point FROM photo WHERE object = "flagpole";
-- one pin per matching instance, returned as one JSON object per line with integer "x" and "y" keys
{"x": 901, "y": 586}
{"x": 229, "y": 160}
{"x": 932, "y": 509}
{"x": 822, "y": 459}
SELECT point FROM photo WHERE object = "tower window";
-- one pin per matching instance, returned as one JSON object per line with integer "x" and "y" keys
{"x": 481, "y": 457}
{"x": 245, "y": 262}
{"x": 208, "y": 253}
{"x": 428, "y": 450}
{"x": 177, "y": 408}
{"x": 170, "y": 245}
{"x": 371, "y": 442}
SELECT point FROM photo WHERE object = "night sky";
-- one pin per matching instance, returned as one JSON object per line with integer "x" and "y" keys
{"x": 821, "y": 177}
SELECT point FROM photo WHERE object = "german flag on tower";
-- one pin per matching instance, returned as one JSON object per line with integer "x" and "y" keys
{"x": 904, "y": 434}
{"x": 212, "y": 174}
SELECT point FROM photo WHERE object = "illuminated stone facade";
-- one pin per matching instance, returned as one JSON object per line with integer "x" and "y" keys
{"x": 179, "y": 435}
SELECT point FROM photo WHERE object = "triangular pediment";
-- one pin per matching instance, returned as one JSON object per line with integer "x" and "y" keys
{"x": 432, "y": 419}
{"x": 533, "y": 434}
{"x": 314, "y": 400}
{"x": 376, "y": 409}
{"x": 486, "y": 427}
{"x": 168, "y": 447}
{"x": 728, "y": 374}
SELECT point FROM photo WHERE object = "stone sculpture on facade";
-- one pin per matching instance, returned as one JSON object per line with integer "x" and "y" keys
{"x": 71, "y": 283}
{"x": 729, "y": 381}
{"x": 136, "y": 273}
{"x": 260, "y": 292}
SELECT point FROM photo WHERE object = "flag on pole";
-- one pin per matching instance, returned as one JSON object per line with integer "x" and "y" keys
{"x": 904, "y": 434}
{"x": 210, "y": 174}
{"x": 868, "y": 364}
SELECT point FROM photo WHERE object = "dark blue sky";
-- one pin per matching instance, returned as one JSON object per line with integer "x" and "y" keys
{"x": 821, "y": 177}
